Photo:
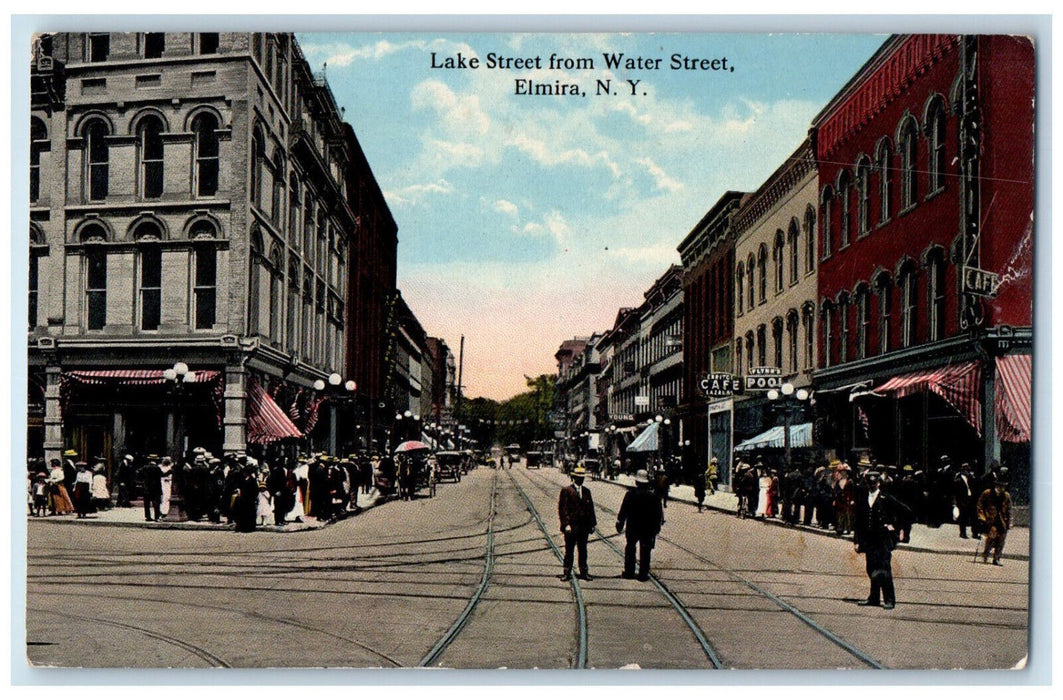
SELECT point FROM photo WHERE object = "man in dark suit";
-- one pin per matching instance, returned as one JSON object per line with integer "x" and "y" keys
{"x": 875, "y": 534}
{"x": 151, "y": 478}
{"x": 575, "y": 509}
{"x": 642, "y": 513}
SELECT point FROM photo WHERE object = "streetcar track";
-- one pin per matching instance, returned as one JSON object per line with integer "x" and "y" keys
{"x": 837, "y": 640}
{"x": 580, "y": 660}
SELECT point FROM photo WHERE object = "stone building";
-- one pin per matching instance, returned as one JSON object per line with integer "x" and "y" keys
{"x": 189, "y": 209}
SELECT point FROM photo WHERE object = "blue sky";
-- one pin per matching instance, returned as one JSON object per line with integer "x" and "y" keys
{"x": 524, "y": 220}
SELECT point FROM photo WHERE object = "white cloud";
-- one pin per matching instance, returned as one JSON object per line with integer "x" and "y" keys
{"x": 545, "y": 154}
{"x": 664, "y": 182}
{"x": 415, "y": 194}
{"x": 504, "y": 206}
{"x": 461, "y": 114}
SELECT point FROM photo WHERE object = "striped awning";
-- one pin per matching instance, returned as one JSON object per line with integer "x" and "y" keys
{"x": 957, "y": 384}
{"x": 1013, "y": 397}
{"x": 129, "y": 377}
{"x": 800, "y": 436}
{"x": 266, "y": 421}
{"x": 647, "y": 439}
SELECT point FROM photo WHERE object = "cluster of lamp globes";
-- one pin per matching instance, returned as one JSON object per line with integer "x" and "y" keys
{"x": 787, "y": 390}
{"x": 335, "y": 380}
{"x": 178, "y": 373}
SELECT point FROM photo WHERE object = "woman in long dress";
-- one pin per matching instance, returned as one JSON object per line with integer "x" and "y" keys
{"x": 166, "y": 465}
{"x": 58, "y": 498}
{"x": 762, "y": 496}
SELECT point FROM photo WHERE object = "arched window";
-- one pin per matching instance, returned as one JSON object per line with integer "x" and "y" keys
{"x": 863, "y": 196}
{"x": 935, "y": 136}
{"x": 258, "y": 158}
{"x": 826, "y": 206}
{"x": 907, "y": 280}
{"x": 254, "y": 285}
{"x": 205, "y": 292}
{"x": 38, "y": 144}
{"x": 738, "y": 356}
{"x": 293, "y": 210}
{"x": 762, "y": 345}
{"x": 95, "y": 287}
{"x": 740, "y": 285}
{"x": 827, "y": 312}
{"x": 276, "y": 292}
{"x": 149, "y": 254}
{"x": 749, "y": 350}
{"x": 794, "y": 238}
{"x": 293, "y": 303}
{"x": 808, "y": 321}
{"x": 751, "y": 265}
{"x": 844, "y": 209}
{"x": 810, "y": 240}
{"x": 38, "y": 249}
{"x": 762, "y": 272}
{"x": 935, "y": 295}
{"x": 205, "y": 155}
{"x": 884, "y": 290}
{"x": 883, "y": 165}
{"x": 776, "y": 336}
{"x": 308, "y": 313}
{"x": 308, "y": 230}
{"x": 277, "y": 196}
{"x": 149, "y": 157}
{"x": 863, "y": 321}
{"x": 97, "y": 160}
{"x": 843, "y": 327}
{"x": 778, "y": 256}
{"x": 791, "y": 341}
{"x": 909, "y": 143}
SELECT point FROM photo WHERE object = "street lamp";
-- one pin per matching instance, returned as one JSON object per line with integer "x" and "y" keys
{"x": 336, "y": 396}
{"x": 177, "y": 376}
{"x": 789, "y": 402}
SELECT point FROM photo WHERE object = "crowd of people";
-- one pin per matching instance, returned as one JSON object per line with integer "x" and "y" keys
{"x": 237, "y": 488}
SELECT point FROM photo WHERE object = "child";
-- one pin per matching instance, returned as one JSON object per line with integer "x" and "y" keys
{"x": 40, "y": 494}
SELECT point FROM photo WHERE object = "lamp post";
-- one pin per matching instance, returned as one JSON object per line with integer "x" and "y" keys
{"x": 788, "y": 401}
{"x": 176, "y": 377}
{"x": 336, "y": 395}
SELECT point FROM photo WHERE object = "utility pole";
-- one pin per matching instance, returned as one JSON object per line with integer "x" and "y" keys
{"x": 461, "y": 365}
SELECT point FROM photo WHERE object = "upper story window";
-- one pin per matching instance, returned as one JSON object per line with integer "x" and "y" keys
{"x": 97, "y": 159}
{"x": 762, "y": 345}
{"x": 863, "y": 321}
{"x": 810, "y": 239}
{"x": 749, "y": 350}
{"x": 277, "y": 197}
{"x": 205, "y": 155}
{"x": 884, "y": 290}
{"x": 907, "y": 281}
{"x": 258, "y": 158}
{"x": 762, "y": 272}
{"x": 740, "y": 283}
{"x": 794, "y": 236}
{"x": 150, "y": 157}
{"x": 844, "y": 211}
{"x": 843, "y": 327}
{"x": 808, "y": 320}
{"x": 99, "y": 47}
{"x": 38, "y": 144}
{"x": 208, "y": 42}
{"x": 935, "y": 136}
{"x": 791, "y": 341}
{"x": 776, "y": 336}
{"x": 778, "y": 257}
{"x": 750, "y": 266}
{"x": 150, "y": 286}
{"x": 883, "y": 162}
{"x": 95, "y": 287}
{"x": 293, "y": 210}
{"x": 935, "y": 281}
{"x": 828, "y": 332}
{"x": 205, "y": 275}
{"x": 154, "y": 44}
{"x": 37, "y": 250}
{"x": 909, "y": 143}
{"x": 738, "y": 356}
{"x": 308, "y": 230}
{"x": 826, "y": 207}
{"x": 863, "y": 196}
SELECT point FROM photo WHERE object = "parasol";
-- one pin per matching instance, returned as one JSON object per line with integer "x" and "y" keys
{"x": 412, "y": 446}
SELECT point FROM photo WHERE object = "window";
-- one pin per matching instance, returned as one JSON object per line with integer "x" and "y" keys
{"x": 38, "y": 144}
{"x": 96, "y": 287}
{"x": 750, "y": 266}
{"x": 762, "y": 345}
{"x": 154, "y": 44}
{"x": 254, "y": 285}
{"x": 293, "y": 210}
{"x": 150, "y": 287}
{"x": 308, "y": 312}
{"x": 276, "y": 291}
{"x": 97, "y": 160}
{"x": 909, "y": 142}
{"x": 738, "y": 356}
{"x": 826, "y": 206}
{"x": 206, "y": 285}
{"x": 37, "y": 250}
{"x": 99, "y": 47}
{"x": 935, "y": 134}
{"x": 843, "y": 328}
{"x": 749, "y": 350}
{"x": 308, "y": 230}
{"x": 762, "y": 272}
{"x": 844, "y": 212}
{"x": 776, "y": 336}
{"x": 863, "y": 322}
{"x": 794, "y": 235}
{"x": 258, "y": 157}
{"x": 149, "y": 155}
{"x": 883, "y": 157}
{"x": 828, "y": 338}
{"x": 740, "y": 284}
{"x": 778, "y": 256}
{"x": 936, "y": 298}
{"x": 863, "y": 196}
{"x": 208, "y": 42}
{"x": 277, "y": 196}
{"x": 293, "y": 302}
{"x": 791, "y": 341}
{"x": 205, "y": 156}
{"x": 885, "y": 290}
{"x": 810, "y": 240}
{"x": 909, "y": 299}
{"x": 808, "y": 322}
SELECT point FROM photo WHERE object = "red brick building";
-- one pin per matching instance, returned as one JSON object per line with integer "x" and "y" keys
{"x": 926, "y": 180}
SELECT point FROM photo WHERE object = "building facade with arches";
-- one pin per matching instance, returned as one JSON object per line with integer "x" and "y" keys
{"x": 925, "y": 163}
{"x": 189, "y": 204}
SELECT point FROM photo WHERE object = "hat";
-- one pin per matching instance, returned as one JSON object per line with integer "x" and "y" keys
{"x": 70, "y": 453}
{"x": 99, "y": 469}
{"x": 579, "y": 471}
{"x": 713, "y": 460}
{"x": 129, "y": 457}
{"x": 167, "y": 460}
{"x": 153, "y": 458}
{"x": 199, "y": 450}
{"x": 907, "y": 468}
{"x": 872, "y": 475}
{"x": 944, "y": 458}
{"x": 864, "y": 462}
{"x": 642, "y": 477}
{"x": 79, "y": 465}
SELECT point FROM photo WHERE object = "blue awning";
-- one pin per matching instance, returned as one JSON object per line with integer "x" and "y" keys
{"x": 646, "y": 441}
{"x": 800, "y": 436}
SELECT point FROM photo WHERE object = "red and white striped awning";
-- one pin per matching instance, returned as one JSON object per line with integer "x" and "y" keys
{"x": 957, "y": 384}
{"x": 135, "y": 376}
{"x": 266, "y": 421}
{"x": 1013, "y": 399}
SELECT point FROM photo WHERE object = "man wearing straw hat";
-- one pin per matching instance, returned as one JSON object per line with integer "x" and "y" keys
{"x": 575, "y": 509}
{"x": 642, "y": 513}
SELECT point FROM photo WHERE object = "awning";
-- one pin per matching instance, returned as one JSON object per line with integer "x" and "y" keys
{"x": 957, "y": 384}
{"x": 266, "y": 422}
{"x": 800, "y": 436}
{"x": 647, "y": 439}
{"x": 135, "y": 376}
{"x": 1014, "y": 391}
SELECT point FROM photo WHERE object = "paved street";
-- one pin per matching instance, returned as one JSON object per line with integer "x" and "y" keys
{"x": 391, "y": 587}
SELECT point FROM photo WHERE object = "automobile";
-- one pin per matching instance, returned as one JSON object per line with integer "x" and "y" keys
{"x": 513, "y": 453}
{"x": 450, "y": 465}
{"x": 533, "y": 460}
{"x": 593, "y": 467}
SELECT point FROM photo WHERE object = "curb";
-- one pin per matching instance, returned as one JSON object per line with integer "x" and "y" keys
{"x": 824, "y": 533}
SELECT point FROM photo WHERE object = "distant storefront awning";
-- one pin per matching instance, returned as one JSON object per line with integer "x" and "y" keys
{"x": 647, "y": 439}
{"x": 266, "y": 422}
{"x": 1013, "y": 397}
{"x": 800, "y": 436}
{"x": 957, "y": 384}
{"x": 129, "y": 377}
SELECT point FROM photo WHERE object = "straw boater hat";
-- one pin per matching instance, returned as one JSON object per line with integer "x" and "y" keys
{"x": 579, "y": 471}
{"x": 642, "y": 477}
{"x": 70, "y": 453}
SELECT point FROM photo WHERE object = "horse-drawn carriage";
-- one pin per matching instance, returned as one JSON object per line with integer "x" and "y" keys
{"x": 450, "y": 465}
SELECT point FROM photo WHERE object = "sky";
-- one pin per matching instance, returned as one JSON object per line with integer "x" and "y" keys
{"x": 524, "y": 219}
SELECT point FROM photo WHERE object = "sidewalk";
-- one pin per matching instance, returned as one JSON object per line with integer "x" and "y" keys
{"x": 133, "y": 516}
{"x": 945, "y": 539}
